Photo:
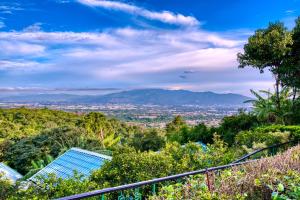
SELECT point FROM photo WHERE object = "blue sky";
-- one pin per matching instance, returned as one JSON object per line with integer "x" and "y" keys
{"x": 129, "y": 44}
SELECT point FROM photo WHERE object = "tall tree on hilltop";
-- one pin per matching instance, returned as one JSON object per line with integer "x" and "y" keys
{"x": 268, "y": 48}
{"x": 291, "y": 71}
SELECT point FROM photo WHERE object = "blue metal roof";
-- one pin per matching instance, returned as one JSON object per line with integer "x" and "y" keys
{"x": 9, "y": 173}
{"x": 75, "y": 159}
{"x": 203, "y": 146}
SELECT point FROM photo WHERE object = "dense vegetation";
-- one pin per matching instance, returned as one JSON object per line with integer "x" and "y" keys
{"x": 31, "y": 138}
{"x": 277, "y": 178}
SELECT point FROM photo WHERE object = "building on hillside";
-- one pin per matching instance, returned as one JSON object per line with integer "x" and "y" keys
{"x": 74, "y": 160}
{"x": 203, "y": 146}
{"x": 9, "y": 173}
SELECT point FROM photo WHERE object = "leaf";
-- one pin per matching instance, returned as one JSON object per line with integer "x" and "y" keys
{"x": 280, "y": 187}
{"x": 257, "y": 182}
{"x": 274, "y": 195}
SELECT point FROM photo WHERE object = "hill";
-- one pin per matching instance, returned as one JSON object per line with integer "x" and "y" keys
{"x": 139, "y": 97}
{"x": 171, "y": 97}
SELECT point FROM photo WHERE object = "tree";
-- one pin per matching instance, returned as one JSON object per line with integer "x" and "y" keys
{"x": 268, "y": 48}
{"x": 200, "y": 132}
{"x": 148, "y": 140}
{"x": 291, "y": 72}
{"x": 265, "y": 107}
{"x": 232, "y": 125}
{"x": 177, "y": 130}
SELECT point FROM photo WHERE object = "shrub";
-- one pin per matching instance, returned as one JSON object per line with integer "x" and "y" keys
{"x": 128, "y": 166}
{"x": 52, "y": 188}
{"x": 277, "y": 177}
{"x": 52, "y": 142}
{"x": 232, "y": 125}
{"x": 293, "y": 130}
{"x": 6, "y": 187}
{"x": 249, "y": 138}
{"x": 148, "y": 140}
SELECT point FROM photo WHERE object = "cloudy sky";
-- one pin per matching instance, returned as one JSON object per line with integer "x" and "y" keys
{"x": 128, "y": 44}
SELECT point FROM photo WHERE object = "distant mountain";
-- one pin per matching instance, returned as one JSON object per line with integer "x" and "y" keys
{"x": 170, "y": 97}
{"x": 139, "y": 97}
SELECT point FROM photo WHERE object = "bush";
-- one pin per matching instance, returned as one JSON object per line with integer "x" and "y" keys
{"x": 249, "y": 138}
{"x": 128, "y": 166}
{"x": 201, "y": 133}
{"x": 293, "y": 130}
{"x": 52, "y": 142}
{"x": 148, "y": 140}
{"x": 232, "y": 125}
{"x": 52, "y": 188}
{"x": 277, "y": 177}
{"x": 6, "y": 188}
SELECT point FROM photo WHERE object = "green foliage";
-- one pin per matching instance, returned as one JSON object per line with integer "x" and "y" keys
{"x": 108, "y": 131}
{"x": 232, "y": 125}
{"x": 52, "y": 188}
{"x": 249, "y": 138}
{"x": 128, "y": 166}
{"x": 294, "y": 118}
{"x": 179, "y": 131}
{"x": 266, "y": 136}
{"x": 269, "y": 178}
{"x": 132, "y": 148}
{"x": 150, "y": 139}
{"x": 200, "y": 132}
{"x": 290, "y": 73}
{"x": 267, "y": 48}
{"x": 6, "y": 187}
{"x": 49, "y": 142}
{"x": 22, "y": 122}
{"x": 265, "y": 108}
{"x": 293, "y": 130}
{"x": 190, "y": 189}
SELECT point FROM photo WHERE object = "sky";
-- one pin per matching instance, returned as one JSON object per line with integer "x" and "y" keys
{"x": 130, "y": 44}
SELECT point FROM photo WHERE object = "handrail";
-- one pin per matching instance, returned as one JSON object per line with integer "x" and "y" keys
{"x": 148, "y": 182}
{"x": 260, "y": 150}
{"x": 167, "y": 178}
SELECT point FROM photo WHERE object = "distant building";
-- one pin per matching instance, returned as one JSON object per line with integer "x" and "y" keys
{"x": 9, "y": 173}
{"x": 75, "y": 159}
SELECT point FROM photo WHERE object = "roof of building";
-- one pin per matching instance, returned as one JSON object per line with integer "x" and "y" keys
{"x": 9, "y": 173}
{"x": 75, "y": 159}
{"x": 204, "y": 146}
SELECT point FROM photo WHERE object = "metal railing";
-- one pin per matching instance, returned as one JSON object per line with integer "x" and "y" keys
{"x": 155, "y": 181}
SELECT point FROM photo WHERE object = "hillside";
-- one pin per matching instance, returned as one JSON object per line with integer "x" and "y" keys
{"x": 268, "y": 178}
{"x": 139, "y": 97}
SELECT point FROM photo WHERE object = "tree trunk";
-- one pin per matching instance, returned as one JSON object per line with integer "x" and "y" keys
{"x": 294, "y": 94}
{"x": 277, "y": 85}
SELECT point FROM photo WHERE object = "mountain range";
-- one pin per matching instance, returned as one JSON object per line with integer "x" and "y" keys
{"x": 136, "y": 97}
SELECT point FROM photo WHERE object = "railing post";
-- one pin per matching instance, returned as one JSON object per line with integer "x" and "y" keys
{"x": 207, "y": 180}
{"x": 137, "y": 194}
{"x": 154, "y": 189}
{"x": 121, "y": 196}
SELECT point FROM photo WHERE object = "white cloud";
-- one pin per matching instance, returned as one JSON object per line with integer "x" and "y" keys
{"x": 2, "y": 25}
{"x": 17, "y": 65}
{"x": 15, "y": 48}
{"x": 9, "y": 8}
{"x": 128, "y": 57}
{"x": 164, "y": 16}
{"x": 126, "y": 51}
{"x": 36, "y": 27}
